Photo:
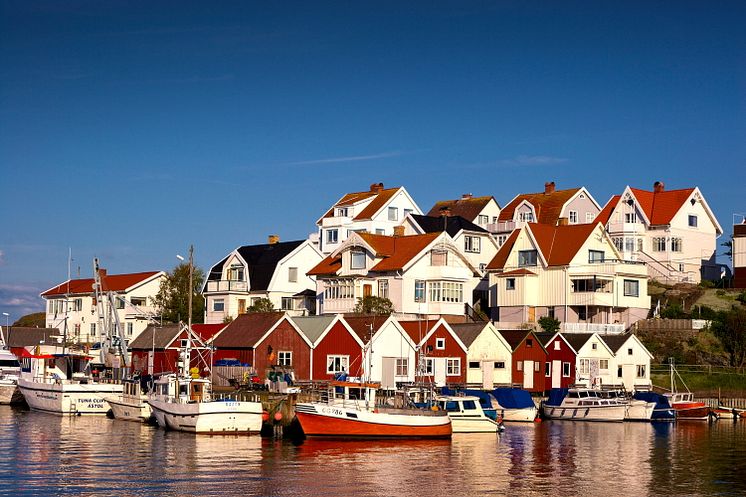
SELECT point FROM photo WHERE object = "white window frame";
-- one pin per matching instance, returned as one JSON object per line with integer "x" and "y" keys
{"x": 557, "y": 345}
{"x": 631, "y": 288}
{"x": 453, "y": 366}
{"x": 472, "y": 243}
{"x": 603, "y": 364}
{"x": 393, "y": 213}
{"x": 565, "y": 369}
{"x": 293, "y": 274}
{"x": 440, "y": 344}
{"x": 483, "y": 220}
{"x": 284, "y": 301}
{"x": 641, "y": 371}
{"x": 215, "y": 303}
{"x": 383, "y": 289}
{"x": 332, "y": 236}
{"x": 519, "y": 365}
{"x": 340, "y": 362}
{"x": 285, "y": 358}
{"x": 584, "y": 366}
{"x": 420, "y": 290}
{"x": 589, "y": 217}
{"x": 402, "y": 367}
{"x": 509, "y": 284}
{"x": 429, "y": 366}
{"x": 528, "y": 258}
{"x": 572, "y": 217}
{"x": 357, "y": 259}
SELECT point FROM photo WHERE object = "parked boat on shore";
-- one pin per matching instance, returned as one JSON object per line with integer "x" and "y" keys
{"x": 582, "y": 404}
{"x": 348, "y": 409}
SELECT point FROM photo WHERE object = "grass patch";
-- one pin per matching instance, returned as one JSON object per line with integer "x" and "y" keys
{"x": 711, "y": 299}
{"x": 706, "y": 385}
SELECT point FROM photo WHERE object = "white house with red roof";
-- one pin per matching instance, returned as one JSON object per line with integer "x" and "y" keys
{"x": 575, "y": 205}
{"x": 674, "y": 231}
{"x": 423, "y": 274}
{"x": 570, "y": 272}
{"x": 74, "y": 301}
{"x": 377, "y": 210}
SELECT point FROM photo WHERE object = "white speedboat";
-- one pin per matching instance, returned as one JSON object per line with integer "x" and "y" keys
{"x": 132, "y": 404}
{"x": 466, "y": 414}
{"x": 184, "y": 403}
{"x": 9, "y": 371}
{"x": 58, "y": 384}
{"x": 582, "y": 404}
{"x": 636, "y": 409}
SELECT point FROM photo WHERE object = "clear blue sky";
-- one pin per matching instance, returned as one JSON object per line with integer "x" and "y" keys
{"x": 129, "y": 130}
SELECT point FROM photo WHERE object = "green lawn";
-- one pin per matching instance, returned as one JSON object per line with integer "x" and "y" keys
{"x": 706, "y": 385}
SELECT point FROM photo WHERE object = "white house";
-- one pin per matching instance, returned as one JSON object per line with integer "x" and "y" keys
{"x": 376, "y": 211}
{"x": 488, "y": 356}
{"x": 674, "y": 231}
{"x": 570, "y": 272}
{"x": 275, "y": 271}
{"x": 594, "y": 360}
{"x": 631, "y": 365}
{"x": 420, "y": 274}
{"x": 71, "y": 305}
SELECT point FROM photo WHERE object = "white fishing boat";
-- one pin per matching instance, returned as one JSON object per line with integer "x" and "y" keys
{"x": 582, "y": 404}
{"x": 60, "y": 384}
{"x": 635, "y": 409}
{"x": 466, "y": 414}
{"x": 132, "y": 404}
{"x": 184, "y": 403}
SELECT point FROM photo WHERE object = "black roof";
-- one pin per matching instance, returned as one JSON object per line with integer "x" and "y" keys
{"x": 615, "y": 342}
{"x": 454, "y": 224}
{"x": 261, "y": 260}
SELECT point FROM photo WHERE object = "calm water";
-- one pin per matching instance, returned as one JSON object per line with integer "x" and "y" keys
{"x": 49, "y": 455}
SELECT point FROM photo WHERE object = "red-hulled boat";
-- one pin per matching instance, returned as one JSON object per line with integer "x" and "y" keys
{"x": 684, "y": 404}
{"x": 348, "y": 410}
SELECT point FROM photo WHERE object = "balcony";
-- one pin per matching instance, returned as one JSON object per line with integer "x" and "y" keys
{"x": 226, "y": 286}
{"x": 330, "y": 222}
{"x": 626, "y": 228}
{"x": 504, "y": 226}
{"x": 604, "y": 329}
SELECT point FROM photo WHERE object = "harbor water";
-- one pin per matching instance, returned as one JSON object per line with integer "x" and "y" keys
{"x": 50, "y": 455}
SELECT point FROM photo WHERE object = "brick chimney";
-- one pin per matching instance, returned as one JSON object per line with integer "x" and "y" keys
{"x": 399, "y": 230}
{"x": 376, "y": 187}
{"x": 466, "y": 196}
{"x": 658, "y": 187}
{"x": 272, "y": 239}
{"x": 549, "y": 188}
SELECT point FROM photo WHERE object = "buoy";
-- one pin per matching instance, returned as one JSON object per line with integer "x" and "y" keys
{"x": 265, "y": 416}
{"x": 278, "y": 416}
{"x": 537, "y": 420}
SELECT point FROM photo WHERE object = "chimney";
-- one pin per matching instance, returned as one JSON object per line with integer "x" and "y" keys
{"x": 466, "y": 196}
{"x": 376, "y": 187}
{"x": 445, "y": 211}
{"x": 548, "y": 188}
{"x": 399, "y": 230}
{"x": 563, "y": 221}
{"x": 272, "y": 239}
{"x": 658, "y": 187}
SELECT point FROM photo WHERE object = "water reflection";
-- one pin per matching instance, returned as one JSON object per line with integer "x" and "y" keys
{"x": 51, "y": 455}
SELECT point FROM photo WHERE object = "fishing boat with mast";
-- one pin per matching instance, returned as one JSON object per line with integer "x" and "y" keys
{"x": 59, "y": 380}
{"x": 184, "y": 401}
{"x": 683, "y": 403}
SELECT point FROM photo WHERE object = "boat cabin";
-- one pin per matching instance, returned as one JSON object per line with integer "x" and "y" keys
{"x": 344, "y": 393}
{"x": 183, "y": 390}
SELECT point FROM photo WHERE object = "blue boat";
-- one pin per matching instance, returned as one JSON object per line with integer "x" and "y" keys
{"x": 663, "y": 410}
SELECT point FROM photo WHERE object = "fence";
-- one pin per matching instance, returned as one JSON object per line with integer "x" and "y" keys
{"x": 697, "y": 368}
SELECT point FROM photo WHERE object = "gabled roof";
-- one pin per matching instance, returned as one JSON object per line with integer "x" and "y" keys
{"x": 207, "y": 331}
{"x": 468, "y": 332}
{"x": 548, "y": 206}
{"x": 26, "y": 336}
{"x": 313, "y": 326}
{"x": 261, "y": 261}
{"x": 109, "y": 282}
{"x": 615, "y": 342}
{"x": 501, "y": 257}
{"x": 577, "y": 340}
{"x": 156, "y": 337}
{"x": 517, "y": 272}
{"x": 605, "y": 214}
{"x": 365, "y": 326}
{"x": 560, "y": 244}
{"x": 418, "y": 329}
{"x": 380, "y": 197}
{"x": 396, "y": 251}
{"x": 516, "y": 337}
{"x": 468, "y": 208}
{"x": 247, "y": 330}
{"x": 545, "y": 337}
{"x": 452, "y": 224}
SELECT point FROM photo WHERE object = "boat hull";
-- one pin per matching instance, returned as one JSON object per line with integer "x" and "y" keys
{"x": 723, "y": 413}
{"x": 527, "y": 414}
{"x": 322, "y": 420}
{"x": 474, "y": 425}
{"x": 68, "y": 398}
{"x": 9, "y": 393}
{"x": 696, "y": 411}
{"x": 638, "y": 410}
{"x": 129, "y": 409}
{"x": 586, "y": 413}
{"x": 218, "y": 417}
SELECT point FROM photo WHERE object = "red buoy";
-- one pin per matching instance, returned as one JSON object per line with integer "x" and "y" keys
{"x": 278, "y": 416}
{"x": 265, "y": 416}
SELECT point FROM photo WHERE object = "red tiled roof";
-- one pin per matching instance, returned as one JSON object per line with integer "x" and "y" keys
{"x": 397, "y": 251}
{"x": 605, "y": 214}
{"x": 381, "y": 198}
{"x": 661, "y": 207}
{"x": 517, "y": 272}
{"x": 246, "y": 330}
{"x": 468, "y": 208}
{"x": 559, "y": 244}
{"x": 501, "y": 257}
{"x": 330, "y": 265}
{"x": 111, "y": 282}
{"x": 548, "y": 206}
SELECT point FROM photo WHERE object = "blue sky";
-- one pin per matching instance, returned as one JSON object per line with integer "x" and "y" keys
{"x": 129, "y": 130}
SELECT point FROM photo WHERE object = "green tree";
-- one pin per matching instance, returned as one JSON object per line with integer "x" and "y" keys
{"x": 261, "y": 305}
{"x": 730, "y": 328}
{"x": 549, "y": 324}
{"x": 35, "y": 320}
{"x": 172, "y": 299}
{"x": 374, "y": 305}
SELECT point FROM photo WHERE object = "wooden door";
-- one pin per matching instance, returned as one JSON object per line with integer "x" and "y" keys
{"x": 367, "y": 290}
{"x": 242, "y": 306}
{"x": 388, "y": 373}
{"x": 556, "y": 374}
{"x": 439, "y": 371}
{"x": 528, "y": 374}
{"x": 488, "y": 370}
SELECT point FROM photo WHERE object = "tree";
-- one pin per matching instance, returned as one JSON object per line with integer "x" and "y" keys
{"x": 172, "y": 299}
{"x": 374, "y": 305}
{"x": 35, "y": 320}
{"x": 261, "y": 305}
{"x": 549, "y": 324}
{"x": 730, "y": 328}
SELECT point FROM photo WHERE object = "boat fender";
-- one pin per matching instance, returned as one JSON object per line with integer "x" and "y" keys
{"x": 278, "y": 416}
{"x": 265, "y": 416}
{"x": 434, "y": 408}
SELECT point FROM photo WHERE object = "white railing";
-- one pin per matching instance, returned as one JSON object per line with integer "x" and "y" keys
{"x": 504, "y": 226}
{"x": 608, "y": 329}
{"x": 227, "y": 286}
{"x": 626, "y": 228}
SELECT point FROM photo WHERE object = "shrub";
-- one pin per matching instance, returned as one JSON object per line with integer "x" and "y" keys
{"x": 549, "y": 324}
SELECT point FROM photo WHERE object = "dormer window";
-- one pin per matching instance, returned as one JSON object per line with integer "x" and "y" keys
{"x": 527, "y": 258}
{"x": 526, "y": 217}
{"x": 357, "y": 259}
{"x": 341, "y": 211}
{"x": 595, "y": 256}
{"x": 439, "y": 258}
{"x": 235, "y": 272}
